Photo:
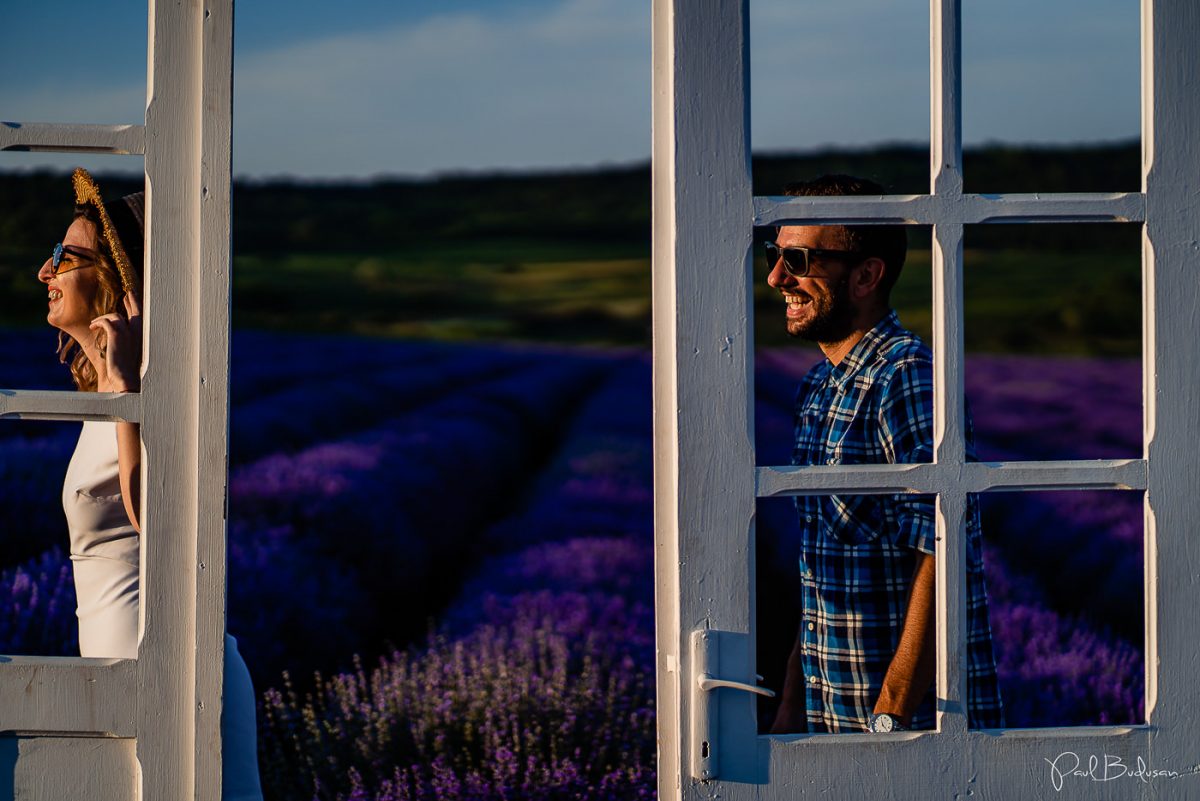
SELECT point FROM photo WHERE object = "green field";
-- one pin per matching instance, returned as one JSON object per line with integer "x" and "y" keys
{"x": 564, "y": 256}
{"x": 1015, "y": 300}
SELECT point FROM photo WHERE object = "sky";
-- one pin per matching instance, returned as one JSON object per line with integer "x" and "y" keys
{"x": 365, "y": 88}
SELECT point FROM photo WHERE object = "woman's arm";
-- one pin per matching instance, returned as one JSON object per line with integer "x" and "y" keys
{"x": 123, "y": 373}
{"x": 129, "y": 468}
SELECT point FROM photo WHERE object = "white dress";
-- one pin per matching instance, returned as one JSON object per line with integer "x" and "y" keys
{"x": 104, "y": 557}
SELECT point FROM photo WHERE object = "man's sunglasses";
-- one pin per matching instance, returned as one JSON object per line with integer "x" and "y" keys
{"x": 796, "y": 261}
{"x": 76, "y": 253}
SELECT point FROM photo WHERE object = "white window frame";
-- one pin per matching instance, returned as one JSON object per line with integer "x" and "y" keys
{"x": 150, "y": 727}
{"x": 707, "y": 481}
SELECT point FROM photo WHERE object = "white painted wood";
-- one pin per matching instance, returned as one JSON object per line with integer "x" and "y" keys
{"x": 67, "y": 768}
{"x": 176, "y": 517}
{"x": 928, "y": 479}
{"x": 1171, "y": 145}
{"x": 211, "y": 469}
{"x": 53, "y": 137}
{"x": 704, "y": 488}
{"x": 167, "y": 702}
{"x": 704, "y": 520}
{"x": 951, "y": 209}
{"x": 945, "y": 78}
{"x": 60, "y": 694}
{"x": 665, "y": 391}
{"x": 949, "y": 442}
{"x": 30, "y": 404}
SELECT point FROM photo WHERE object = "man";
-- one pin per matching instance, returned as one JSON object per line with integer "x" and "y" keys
{"x": 864, "y": 655}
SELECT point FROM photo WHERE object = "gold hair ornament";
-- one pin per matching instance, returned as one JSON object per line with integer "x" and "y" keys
{"x": 88, "y": 192}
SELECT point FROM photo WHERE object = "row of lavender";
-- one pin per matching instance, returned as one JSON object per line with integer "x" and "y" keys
{"x": 539, "y": 683}
{"x": 378, "y": 485}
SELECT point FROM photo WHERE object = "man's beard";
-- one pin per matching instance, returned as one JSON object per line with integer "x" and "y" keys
{"x": 833, "y": 319}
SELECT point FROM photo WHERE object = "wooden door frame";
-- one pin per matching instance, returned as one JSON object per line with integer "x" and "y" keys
{"x": 163, "y": 708}
{"x": 707, "y": 481}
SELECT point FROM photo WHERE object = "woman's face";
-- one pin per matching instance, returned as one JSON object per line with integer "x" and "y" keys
{"x": 72, "y": 290}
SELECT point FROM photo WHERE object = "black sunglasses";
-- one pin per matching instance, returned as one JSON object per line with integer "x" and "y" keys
{"x": 77, "y": 253}
{"x": 796, "y": 261}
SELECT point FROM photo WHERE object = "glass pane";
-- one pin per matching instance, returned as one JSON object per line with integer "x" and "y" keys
{"x": 85, "y": 63}
{"x": 1064, "y": 578}
{"x": 1053, "y": 328}
{"x": 36, "y": 578}
{"x": 785, "y": 353}
{"x": 1051, "y": 96}
{"x": 831, "y": 93}
{"x": 844, "y": 600}
{"x": 36, "y": 213}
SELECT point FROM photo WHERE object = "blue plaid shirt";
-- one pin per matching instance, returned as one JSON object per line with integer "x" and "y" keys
{"x": 858, "y": 553}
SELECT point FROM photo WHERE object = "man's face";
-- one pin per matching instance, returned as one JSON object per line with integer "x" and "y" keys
{"x": 819, "y": 306}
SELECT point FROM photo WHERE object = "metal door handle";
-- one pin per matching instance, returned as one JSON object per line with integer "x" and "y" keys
{"x": 707, "y": 682}
{"x": 706, "y": 659}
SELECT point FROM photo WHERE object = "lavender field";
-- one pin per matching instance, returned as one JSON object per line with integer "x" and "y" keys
{"x": 441, "y": 557}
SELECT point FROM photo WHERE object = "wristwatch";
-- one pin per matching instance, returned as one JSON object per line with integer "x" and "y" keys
{"x": 883, "y": 723}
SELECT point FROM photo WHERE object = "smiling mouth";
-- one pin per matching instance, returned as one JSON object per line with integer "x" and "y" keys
{"x": 55, "y": 295}
{"x": 796, "y": 302}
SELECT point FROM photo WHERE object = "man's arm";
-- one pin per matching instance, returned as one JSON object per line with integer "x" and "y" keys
{"x": 911, "y": 671}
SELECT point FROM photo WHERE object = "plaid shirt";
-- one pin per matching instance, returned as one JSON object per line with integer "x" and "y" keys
{"x": 858, "y": 553}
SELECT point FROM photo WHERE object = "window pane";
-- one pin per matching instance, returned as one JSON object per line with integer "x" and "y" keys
{"x": 1064, "y": 577}
{"x": 36, "y": 212}
{"x": 844, "y": 83}
{"x": 833, "y": 581}
{"x": 36, "y": 578}
{"x": 85, "y": 63}
{"x": 784, "y": 354}
{"x": 1051, "y": 96}
{"x": 1053, "y": 322}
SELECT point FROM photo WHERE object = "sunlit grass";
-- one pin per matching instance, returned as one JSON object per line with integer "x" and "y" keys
{"x": 1084, "y": 302}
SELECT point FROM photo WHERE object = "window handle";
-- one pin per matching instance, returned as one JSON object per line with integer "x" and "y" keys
{"x": 706, "y": 663}
{"x": 708, "y": 682}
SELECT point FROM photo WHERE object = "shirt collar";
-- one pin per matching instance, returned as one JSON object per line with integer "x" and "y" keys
{"x": 865, "y": 349}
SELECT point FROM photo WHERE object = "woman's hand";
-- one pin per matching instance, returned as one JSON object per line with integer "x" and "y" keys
{"x": 123, "y": 351}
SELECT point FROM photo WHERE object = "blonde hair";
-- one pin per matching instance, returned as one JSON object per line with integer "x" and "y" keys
{"x": 106, "y": 300}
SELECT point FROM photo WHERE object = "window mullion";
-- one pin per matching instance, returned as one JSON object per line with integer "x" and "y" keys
{"x": 945, "y": 73}
{"x": 951, "y": 600}
{"x": 949, "y": 449}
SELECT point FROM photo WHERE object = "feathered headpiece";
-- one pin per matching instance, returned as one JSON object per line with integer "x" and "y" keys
{"x": 87, "y": 192}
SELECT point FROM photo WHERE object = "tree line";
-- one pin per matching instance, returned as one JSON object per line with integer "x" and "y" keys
{"x": 606, "y": 204}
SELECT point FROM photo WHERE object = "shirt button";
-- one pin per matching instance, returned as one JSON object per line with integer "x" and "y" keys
{"x": 812, "y": 626}
{"x": 808, "y": 574}
{"x": 808, "y": 518}
{"x": 812, "y": 679}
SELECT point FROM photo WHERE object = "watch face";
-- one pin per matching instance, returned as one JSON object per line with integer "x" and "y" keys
{"x": 883, "y": 723}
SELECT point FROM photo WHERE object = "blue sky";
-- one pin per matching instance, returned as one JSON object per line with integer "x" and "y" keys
{"x": 363, "y": 88}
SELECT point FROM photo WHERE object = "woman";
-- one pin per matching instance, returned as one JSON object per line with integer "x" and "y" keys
{"x": 93, "y": 279}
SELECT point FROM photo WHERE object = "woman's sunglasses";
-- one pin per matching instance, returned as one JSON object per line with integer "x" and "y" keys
{"x": 88, "y": 257}
{"x": 796, "y": 261}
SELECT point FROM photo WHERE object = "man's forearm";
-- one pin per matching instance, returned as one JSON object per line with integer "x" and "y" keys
{"x": 912, "y": 668}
